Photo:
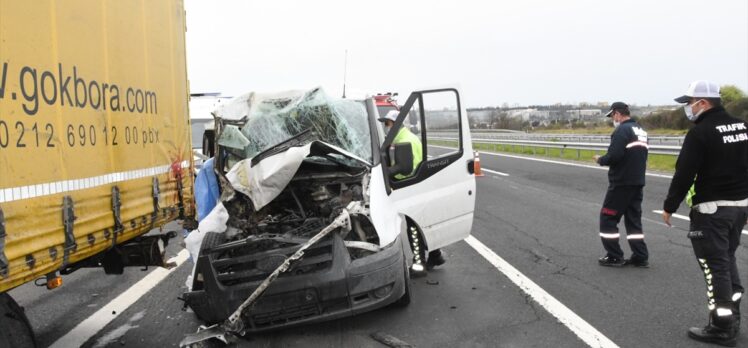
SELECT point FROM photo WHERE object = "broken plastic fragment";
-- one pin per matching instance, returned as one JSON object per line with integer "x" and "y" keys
{"x": 232, "y": 137}
{"x": 207, "y": 333}
{"x": 390, "y": 341}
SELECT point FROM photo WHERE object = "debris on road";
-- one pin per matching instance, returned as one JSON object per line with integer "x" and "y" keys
{"x": 432, "y": 282}
{"x": 206, "y": 334}
{"x": 389, "y": 340}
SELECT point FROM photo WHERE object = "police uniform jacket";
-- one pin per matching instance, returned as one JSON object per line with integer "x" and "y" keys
{"x": 715, "y": 152}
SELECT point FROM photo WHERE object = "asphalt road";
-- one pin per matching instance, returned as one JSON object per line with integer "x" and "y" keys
{"x": 541, "y": 218}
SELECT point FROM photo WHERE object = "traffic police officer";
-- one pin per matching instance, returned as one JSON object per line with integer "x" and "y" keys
{"x": 627, "y": 159}
{"x": 715, "y": 155}
{"x": 403, "y": 135}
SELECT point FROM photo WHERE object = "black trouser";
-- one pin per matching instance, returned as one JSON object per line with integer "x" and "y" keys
{"x": 715, "y": 237}
{"x": 623, "y": 201}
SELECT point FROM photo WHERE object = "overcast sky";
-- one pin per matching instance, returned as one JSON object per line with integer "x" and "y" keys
{"x": 522, "y": 51}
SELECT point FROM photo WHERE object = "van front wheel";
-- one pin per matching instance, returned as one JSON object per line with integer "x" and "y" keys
{"x": 404, "y": 301}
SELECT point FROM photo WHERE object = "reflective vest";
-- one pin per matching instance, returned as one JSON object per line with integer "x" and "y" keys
{"x": 405, "y": 136}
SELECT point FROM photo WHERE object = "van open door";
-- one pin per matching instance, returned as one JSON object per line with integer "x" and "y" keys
{"x": 438, "y": 192}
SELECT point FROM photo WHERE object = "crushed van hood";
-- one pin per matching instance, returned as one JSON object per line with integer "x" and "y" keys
{"x": 265, "y": 180}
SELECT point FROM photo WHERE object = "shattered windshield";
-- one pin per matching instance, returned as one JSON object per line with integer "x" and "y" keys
{"x": 272, "y": 119}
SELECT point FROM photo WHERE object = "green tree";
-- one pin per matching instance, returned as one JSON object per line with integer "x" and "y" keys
{"x": 738, "y": 108}
{"x": 730, "y": 93}
{"x": 668, "y": 119}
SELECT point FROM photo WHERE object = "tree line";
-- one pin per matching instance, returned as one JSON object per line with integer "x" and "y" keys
{"x": 734, "y": 100}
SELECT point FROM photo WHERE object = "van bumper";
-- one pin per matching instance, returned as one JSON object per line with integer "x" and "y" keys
{"x": 347, "y": 287}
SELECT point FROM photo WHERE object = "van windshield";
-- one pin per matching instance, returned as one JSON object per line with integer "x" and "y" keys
{"x": 267, "y": 120}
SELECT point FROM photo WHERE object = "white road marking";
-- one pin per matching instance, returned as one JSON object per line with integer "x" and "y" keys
{"x": 575, "y": 323}
{"x": 682, "y": 217}
{"x": 494, "y": 172}
{"x": 93, "y": 324}
{"x": 483, "y": 169}
{"x": 568, "y": 163}
{"x": 117, "y": 333}
{"x": 555, "y": 162}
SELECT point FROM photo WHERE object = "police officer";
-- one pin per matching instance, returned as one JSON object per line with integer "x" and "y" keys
{"x": 715, "y": 155}
{"x": 627, "y": 159}
{"x": 403, "y": 135}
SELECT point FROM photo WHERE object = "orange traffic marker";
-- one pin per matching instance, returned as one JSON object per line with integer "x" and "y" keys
{"x": 53, "y": 281}
{"x": 476, "y": 164}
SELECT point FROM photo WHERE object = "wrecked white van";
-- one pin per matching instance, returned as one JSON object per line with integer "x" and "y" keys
{"x": 305, "y": 173}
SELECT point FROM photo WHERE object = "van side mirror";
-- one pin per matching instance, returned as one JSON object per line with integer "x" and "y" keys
{"x": 400, "y": 158}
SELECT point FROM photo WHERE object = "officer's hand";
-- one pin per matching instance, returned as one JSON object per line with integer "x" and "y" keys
{"x": 595, "y": 157}
{"x": 666, "y": 218}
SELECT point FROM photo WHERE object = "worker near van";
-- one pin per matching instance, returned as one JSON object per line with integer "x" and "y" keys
{"x": 627, "y": 159}
{"x": 403, "y": 135}
{"x": 714, "y": 155}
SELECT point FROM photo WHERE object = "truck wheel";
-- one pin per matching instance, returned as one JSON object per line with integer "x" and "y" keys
{"x": 15, "y": 329}
{"x": 404, "y": 301}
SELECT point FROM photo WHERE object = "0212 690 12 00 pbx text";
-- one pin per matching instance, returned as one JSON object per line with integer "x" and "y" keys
{"x": 33, "y": 134}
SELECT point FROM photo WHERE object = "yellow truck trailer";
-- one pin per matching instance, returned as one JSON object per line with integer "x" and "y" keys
{"x": 94, "y": 139}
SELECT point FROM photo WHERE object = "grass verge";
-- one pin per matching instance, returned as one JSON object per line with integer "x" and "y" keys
{"x": 608, "y": 130}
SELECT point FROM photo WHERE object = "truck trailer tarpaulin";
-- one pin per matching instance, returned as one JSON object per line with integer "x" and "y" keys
{"x": 94, "y": 129}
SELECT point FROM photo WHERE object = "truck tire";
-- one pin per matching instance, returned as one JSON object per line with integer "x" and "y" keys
{"x": 15, "y": 329}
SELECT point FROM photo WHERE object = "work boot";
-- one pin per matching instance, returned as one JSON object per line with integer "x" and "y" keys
{"x": 636, "y": 263}
{"x": 609, "y": 261}
{"x": 719, "y": 331}
{"x": 736, "y": 315}
{"x": 435, "y": 259}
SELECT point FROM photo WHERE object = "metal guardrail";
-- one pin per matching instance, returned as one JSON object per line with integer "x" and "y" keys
{"x": 485, "y": 134}
{"x": 672, "y": 150}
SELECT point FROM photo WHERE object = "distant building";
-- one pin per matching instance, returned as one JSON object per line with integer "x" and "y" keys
{"x": 530, "y": 114}
{"x": 584, "y": 114}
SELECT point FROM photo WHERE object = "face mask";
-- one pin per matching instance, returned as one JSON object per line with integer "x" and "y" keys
{"x": 616, "y": 124}
{"x": 689, "y": 112}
